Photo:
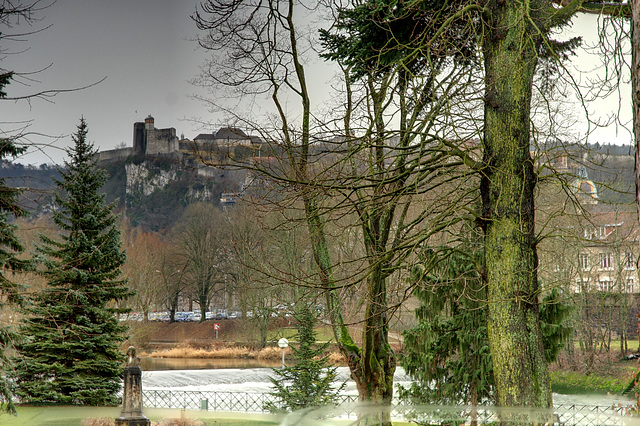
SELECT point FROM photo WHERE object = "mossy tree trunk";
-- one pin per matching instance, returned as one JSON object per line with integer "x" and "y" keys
{"x": 510, "y": 49}
{"x": 372, "y": 365}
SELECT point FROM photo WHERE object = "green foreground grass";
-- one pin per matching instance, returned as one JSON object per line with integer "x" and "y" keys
{"x": 74, "y": 416}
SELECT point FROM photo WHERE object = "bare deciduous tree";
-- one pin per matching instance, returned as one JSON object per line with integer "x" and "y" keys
{"x": 203, "y": 240}
{"x": 373, "y": 166}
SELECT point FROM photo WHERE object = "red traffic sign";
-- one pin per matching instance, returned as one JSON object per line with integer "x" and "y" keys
{"x": 216, "y": 326}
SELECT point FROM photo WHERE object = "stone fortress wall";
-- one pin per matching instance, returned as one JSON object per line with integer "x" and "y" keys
{"x": 118, "y": 154}
{"x": 162, "y": 141}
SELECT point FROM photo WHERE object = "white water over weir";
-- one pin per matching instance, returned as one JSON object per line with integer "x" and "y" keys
{"x": 247, "y": 389}
{"x": 255, "y": 380}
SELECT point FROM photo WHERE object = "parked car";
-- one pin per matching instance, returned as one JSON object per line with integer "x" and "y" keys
{"x": 135, "y": 316}
{"x": 182, "y": 316}
{"x": 158, "y": 316}
{"x": 220, "y": 315}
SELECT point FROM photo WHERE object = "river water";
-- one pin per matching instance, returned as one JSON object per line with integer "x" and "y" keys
{"x": 253, "y": 376}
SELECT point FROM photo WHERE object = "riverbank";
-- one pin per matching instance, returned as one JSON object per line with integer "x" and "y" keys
{"x": 230, "y": 333}
{"x": 238, "y": 339}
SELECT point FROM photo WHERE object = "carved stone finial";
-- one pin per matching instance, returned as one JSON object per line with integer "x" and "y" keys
{"x": 132, "y": 359}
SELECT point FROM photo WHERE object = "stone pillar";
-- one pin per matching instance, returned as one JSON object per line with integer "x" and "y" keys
{"x": 132, "y": 396}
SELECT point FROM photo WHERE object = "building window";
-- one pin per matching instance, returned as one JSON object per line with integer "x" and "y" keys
{"x": 605, "y": 285}
{"x": 584, "y": 261}
{"x": 631, "y": 285}
{"x": 605, "y": 261}
{"x": 582, "y": 285}
{"x": 559, "y": 265}
{"x": 595, "y": 233}
{"x": 629, "y": 261}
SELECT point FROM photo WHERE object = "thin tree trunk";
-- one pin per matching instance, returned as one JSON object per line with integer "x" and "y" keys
{"x": 378, "y": 360}
{"x": 609, "y": 326}
{"x": 635, "y": 95}
{"x": 372, "y": 366}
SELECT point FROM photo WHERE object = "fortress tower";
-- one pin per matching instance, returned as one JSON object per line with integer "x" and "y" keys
{"x": 147, "y": 140}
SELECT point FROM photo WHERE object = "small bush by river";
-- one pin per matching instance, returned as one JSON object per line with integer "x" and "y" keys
{"x": 235, "y": 352}
{"x": 230, "y": 352}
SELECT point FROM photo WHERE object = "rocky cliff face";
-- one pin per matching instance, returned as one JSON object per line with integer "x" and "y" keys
{"x": 145, "y": 179}
{"x": 158, "y": 190}
{"x": 150, "y": 191}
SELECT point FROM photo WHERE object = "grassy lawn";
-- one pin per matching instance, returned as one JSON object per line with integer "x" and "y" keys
{"x": 323, "y": 333}
{"x": 608, "y": 377}
{"x": 73, "y": 416}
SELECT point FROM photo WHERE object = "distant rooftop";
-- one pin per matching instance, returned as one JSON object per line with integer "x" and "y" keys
{"x": 205, "y": 136}
{"x": 231, "y": 133}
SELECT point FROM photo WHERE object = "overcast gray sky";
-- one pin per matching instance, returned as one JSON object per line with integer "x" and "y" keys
{"x": 144, "y": 48}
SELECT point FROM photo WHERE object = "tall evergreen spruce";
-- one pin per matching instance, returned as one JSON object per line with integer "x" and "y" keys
{"x": 10, "y": 247}
{"x": 69, "y": 353}
{"x": 311, "y": 381}
{"x": 449, "y": 345}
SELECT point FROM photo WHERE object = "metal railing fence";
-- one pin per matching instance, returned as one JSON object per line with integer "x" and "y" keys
{"x": 348, "y": 408}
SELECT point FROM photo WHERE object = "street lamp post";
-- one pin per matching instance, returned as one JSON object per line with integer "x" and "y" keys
{"x": 283, "y": 343}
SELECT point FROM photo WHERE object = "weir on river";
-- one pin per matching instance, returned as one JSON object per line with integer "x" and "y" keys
{"x": 234, "y": 380}
{"x": 256, "y": 380}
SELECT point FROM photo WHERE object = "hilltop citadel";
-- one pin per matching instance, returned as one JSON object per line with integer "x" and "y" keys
{"x": 148, "y": 140}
